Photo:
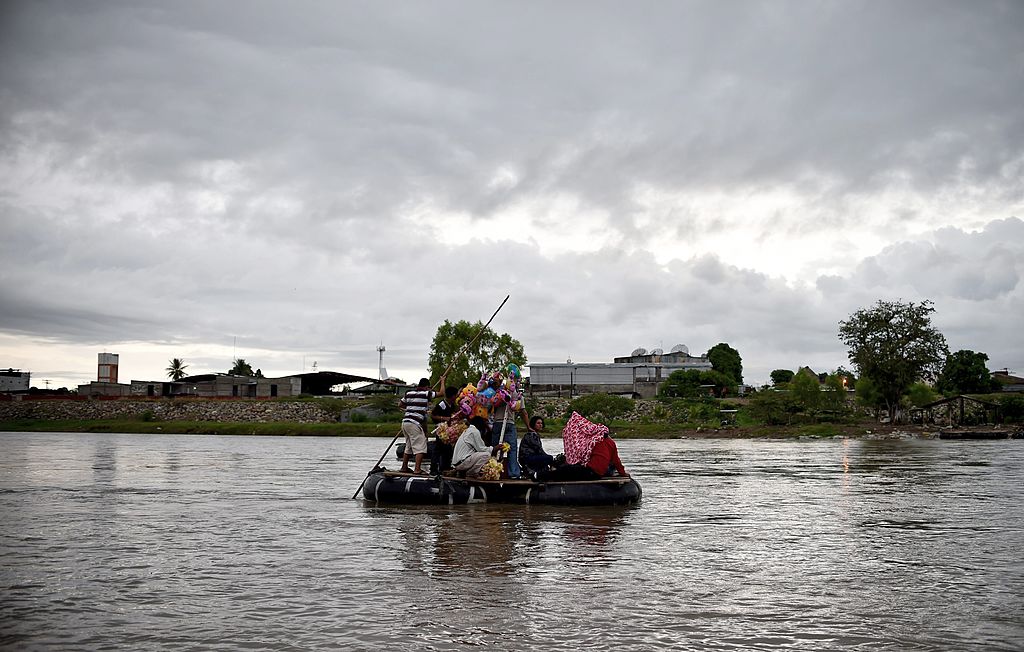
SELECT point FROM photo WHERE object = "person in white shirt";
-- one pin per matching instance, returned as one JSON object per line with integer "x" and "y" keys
{"x": 471, "y": 453}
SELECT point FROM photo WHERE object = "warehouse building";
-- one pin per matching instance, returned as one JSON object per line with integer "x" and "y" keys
{"x": 637, "y": 374}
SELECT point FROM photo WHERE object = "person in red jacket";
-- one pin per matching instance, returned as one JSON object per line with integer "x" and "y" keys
{"x": 604, "y": 459}
{"x": 604, "y": 462}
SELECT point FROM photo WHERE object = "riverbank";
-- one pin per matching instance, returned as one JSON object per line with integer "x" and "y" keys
{"x": 865, "y": 430}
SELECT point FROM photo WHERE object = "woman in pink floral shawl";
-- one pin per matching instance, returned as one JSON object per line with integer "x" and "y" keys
{"x": 580, "y": 436}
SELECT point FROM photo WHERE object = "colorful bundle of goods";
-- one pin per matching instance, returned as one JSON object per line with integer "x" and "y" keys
{"x": 492, "y": 390}
{"x": 492, "y": 470}
{"x": 467, "y": 401}
{"x": 449, "y": 433}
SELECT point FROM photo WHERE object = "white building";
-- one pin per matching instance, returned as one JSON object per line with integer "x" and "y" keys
{"x": 15, "y": 380}
{"x": 637, "y": 374}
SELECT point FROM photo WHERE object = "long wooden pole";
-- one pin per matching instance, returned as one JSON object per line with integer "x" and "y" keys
{"x": 455, "y": 359}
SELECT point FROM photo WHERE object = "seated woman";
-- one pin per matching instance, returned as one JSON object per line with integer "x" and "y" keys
{"x": 604, "y": 459}
{"x": 590, "y": 452}
{"x": 471, "y": 453}
{"x": 532, "y": 457}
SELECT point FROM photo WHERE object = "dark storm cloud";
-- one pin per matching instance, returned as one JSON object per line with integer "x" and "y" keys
{"x": 591, "y": 99}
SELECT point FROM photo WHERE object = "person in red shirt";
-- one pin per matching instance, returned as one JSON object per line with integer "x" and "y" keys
{"x": 604, "y": 459}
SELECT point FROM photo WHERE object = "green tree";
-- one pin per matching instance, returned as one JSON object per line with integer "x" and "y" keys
{"x": 806, "y": 392}
{"x": 965, "y": 372}
{"x": 772, "y": 408}
{"x": 725, "y": 359}
{"x": 176, "y": 369}
{"x": 1012, "y": 408}
{"x": 834, "y": 396}
{"x": 781, "y": 376}
{"x": 605, "y": 405}
{"x": 490, "y": 351}
{"x": 920, "y": 394}
{"x": 894, "y": 345}
{"x": 241, "y": 368}
{"x": 868, "y": 395}
{"x": 691, "y": 383}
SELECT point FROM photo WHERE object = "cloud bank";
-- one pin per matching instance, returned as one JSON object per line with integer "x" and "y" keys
{"x": 290, "y": 184}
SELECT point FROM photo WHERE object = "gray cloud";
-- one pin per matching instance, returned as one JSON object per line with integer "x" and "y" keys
{"x": 204, "y": 171}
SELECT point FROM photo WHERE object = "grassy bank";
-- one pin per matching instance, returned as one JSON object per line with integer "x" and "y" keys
{"x": 622, "y": 430}
{"x": 205, "y": 427}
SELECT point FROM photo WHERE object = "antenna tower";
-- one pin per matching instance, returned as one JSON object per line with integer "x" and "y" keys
{"x": 382, "y": 372}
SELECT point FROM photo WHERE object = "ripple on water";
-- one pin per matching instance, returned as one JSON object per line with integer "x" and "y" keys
{"x": 164, "y": 542}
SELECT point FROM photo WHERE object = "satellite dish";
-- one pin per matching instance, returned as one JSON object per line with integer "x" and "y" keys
{"x": 681, "y": 348}
{"x": 657, "y": 352}
{"x": 638, "y": 351}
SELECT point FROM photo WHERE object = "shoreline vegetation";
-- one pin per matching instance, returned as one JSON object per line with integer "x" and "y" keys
{"x": 768, "y": 415}
{"x": 621, "y": 430}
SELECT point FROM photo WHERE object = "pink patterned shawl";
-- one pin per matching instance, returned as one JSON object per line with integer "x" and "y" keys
{"x": 579, "y": 438}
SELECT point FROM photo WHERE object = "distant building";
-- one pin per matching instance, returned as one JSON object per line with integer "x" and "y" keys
{"x": 97, "y": 388}
{"x": 220, "y": 386}
{"x": 15, "y": 380}
{"x": 106, "y": 379}
{"x": 106, "y": 371}
{"x": 1007, "y": 382}
{"x": 637, "y": 374}
{"x": 810, "y": 373}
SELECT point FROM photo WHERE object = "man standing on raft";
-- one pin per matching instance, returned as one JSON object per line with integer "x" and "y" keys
{"x": 416, "y": 403}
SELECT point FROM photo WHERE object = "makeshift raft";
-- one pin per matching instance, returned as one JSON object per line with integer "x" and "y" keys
{"x": 392, "y": 487}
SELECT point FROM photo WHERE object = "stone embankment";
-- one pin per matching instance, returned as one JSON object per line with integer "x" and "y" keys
{"x": 239, "y": 411}
{"x": 234, "y": 410}
{"x": 643, "y": 410}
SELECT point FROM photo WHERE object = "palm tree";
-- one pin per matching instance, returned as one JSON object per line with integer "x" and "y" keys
{"x": 241, "y": 368}
{"x": 176, "y": 370}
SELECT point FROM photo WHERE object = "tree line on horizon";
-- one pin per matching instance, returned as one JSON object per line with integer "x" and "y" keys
{"x": 899, "y": 360}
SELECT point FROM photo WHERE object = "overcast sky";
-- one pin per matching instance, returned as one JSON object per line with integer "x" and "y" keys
{"x": 292, "y": 182}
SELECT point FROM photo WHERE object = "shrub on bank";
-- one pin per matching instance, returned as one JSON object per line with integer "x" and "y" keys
{"x": 1012, "y": 408}
{"x": 601, "y": 406}
{"x": 690, "y": 411}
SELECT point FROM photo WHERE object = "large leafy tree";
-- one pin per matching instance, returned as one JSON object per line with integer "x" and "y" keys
{"x": 781, "y": 376}
{"x": 241, "y": 368}
{"x": 176, "y": 369}
{"x": 893, "y": 344}
{"x": 725, "y": 359}
{"x": 965, "y": 372}
{"x": 491, "y": 351}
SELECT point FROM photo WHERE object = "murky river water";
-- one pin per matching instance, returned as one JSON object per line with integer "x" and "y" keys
{"x": 197, "y": 542}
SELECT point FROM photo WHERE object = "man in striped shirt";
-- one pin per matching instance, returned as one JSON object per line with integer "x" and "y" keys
{"x": 416, "y": 404}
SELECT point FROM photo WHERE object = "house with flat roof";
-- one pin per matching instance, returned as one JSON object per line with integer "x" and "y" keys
{"x": 637, "y": 374}
{"x": 15, "y": 380}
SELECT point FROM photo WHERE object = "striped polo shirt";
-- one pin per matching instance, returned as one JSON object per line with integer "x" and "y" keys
{"x": 416, "y": 404}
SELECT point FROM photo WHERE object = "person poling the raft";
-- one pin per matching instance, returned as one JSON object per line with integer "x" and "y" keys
{"x": 416, "y": 403}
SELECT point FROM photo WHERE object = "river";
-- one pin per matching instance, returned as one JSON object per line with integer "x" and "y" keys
{"x": 175, "y": 542}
